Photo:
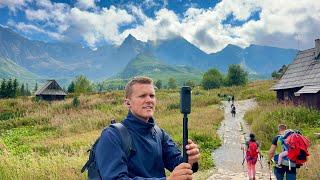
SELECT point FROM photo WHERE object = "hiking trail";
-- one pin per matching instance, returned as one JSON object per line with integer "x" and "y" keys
{"x": 228, "y": 158}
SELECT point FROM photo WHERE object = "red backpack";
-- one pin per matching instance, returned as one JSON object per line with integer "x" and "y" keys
{"x": 252, "y": 151}
{"x": 297, "y": 147}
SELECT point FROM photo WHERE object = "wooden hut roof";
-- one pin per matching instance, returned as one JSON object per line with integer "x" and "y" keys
{"x": 51, "y": 88}
{"x": 303, "y": 71}
{"x": 309, "y": 90}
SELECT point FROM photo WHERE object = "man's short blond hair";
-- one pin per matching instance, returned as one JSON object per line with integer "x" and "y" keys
{"x": 136, "y": 80}
{"x": 282, "y": 127}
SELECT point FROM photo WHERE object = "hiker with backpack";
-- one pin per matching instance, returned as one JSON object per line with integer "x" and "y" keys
{"x": 251, "y": 155}
{"x": 233, "y": 110}
{"x": 284, "y": 153}
{"x": 149, "y": 150}
{"x": 289, "y": 150}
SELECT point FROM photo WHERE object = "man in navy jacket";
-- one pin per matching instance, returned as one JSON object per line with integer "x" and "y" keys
{"x": 151, "y": 153}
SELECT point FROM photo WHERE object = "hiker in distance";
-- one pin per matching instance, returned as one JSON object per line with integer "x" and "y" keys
{"x": 233, "y": 110}
{"x": 152, "y": 151}
{"x": 275, "y": 149}
{"x": 251, "y": 156}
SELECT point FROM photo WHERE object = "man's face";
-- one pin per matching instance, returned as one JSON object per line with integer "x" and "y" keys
{"x": 281, "y": 132}
{"x": 142, "y": 101}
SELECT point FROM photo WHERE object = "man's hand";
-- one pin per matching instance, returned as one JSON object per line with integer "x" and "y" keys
{"x": 181, "y": 172}
{"x": 193, "y": 152}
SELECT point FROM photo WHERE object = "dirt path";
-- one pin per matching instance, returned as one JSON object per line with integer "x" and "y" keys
{"x": 228, "y": 158}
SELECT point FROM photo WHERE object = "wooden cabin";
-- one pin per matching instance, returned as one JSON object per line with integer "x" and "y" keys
{"x": 51, "y": 91}
{"x": 300, "y": 84}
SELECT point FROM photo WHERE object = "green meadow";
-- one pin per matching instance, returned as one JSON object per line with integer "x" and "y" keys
{"x": 42, "y": 140}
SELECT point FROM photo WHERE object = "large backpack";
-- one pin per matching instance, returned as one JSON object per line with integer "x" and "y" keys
{"x": 252, "y": 151}
{"x": 91, "y": 164}
{"x": 297, "y": 146}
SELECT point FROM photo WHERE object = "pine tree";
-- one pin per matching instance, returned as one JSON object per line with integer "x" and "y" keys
{"x": 22, "y": 90}
{"x": 28, "y": 93}
{"x": 71, "y": 87}
{"x": 9, "y": 89}
{"x": 159, "y": 84}
{"x": 100, "y": 87}
{"x": 35, "y": 88}
{"x": 15, "y": 87}
{"x": 3, "y": 89}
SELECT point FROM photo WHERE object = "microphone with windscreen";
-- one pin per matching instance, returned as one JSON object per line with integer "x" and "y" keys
{"x": 185, "y": 109}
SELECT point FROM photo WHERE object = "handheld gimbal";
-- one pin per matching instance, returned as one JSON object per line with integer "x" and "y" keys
{"x": 185, "y": 108}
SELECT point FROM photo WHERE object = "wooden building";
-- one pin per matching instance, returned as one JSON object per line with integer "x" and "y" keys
{"x": 51, "y": 91}
{"x": 300, "y": 84}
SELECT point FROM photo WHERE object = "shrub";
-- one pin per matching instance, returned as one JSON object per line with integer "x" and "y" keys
{"x": 75, "y": 101}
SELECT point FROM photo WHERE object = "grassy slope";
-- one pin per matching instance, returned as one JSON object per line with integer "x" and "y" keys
{"x": 149, "y": 66}
{"x": 9, "y": 69}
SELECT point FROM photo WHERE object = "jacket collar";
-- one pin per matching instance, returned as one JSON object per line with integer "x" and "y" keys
{"x": 136, "y": 124}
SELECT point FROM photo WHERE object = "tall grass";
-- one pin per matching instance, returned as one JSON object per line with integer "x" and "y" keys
{"x": 265, "y": 119}
{"x": 42, "y": 140}
{"x": 259, "y": 90}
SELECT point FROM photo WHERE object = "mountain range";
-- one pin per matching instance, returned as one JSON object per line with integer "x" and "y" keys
{"x": 42, "y": 60}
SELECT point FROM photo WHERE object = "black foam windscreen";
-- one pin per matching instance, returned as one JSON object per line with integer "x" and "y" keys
{"x": 185, "y": 100}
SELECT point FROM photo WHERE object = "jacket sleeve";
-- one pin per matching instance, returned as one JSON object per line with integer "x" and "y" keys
{"x": 111, "y": 159}
{"x": 171, "y": 154}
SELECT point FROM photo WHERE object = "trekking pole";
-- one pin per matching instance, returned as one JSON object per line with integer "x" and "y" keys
{"x": 260, "y": 157}
{"x": 185, "y": 108}
{"x": 243, "y": 155}
{"x": 269, "y": 169}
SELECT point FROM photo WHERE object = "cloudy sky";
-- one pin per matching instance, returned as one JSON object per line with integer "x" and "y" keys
{"x": 210, "y": 25}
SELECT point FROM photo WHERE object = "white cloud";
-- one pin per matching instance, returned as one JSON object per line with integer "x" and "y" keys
{"x": 281, "y": 21}
{"x": 51, "y": 15}
{"x": 85, "y": 4}
{"x": 239, "y": 8}
{"x": 202, "y": 27}
{"x": 93, "y": 27}
{"x": 99, "y": 25}
{"x": 40, "y": 15}
{"x": 138, "y": 12}
{"x": 149, "y": 3}
{"x": 165, "y": 3}
{"x": 29, "y": 28}
{"x": 13, "y": 5}
{"x": 164, "y": 26}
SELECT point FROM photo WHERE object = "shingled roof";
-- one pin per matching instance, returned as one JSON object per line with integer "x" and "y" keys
{"x": 51, "y": 88}
{"x": 304, "y": 70}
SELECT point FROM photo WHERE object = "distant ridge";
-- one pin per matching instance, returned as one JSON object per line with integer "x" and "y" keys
{"x": 66, "y": 60}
